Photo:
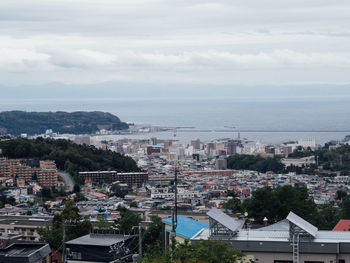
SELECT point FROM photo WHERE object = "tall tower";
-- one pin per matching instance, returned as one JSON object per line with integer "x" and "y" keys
{"x": 174, "y": 138}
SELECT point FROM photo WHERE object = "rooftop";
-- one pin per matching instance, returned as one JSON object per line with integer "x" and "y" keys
{"x": 25, "y": 220}
{"x": 343, "y": 225}
{"x": 19, "y": 251}
{"x": 99, "y": 239}
{"x": 187, "y": 227}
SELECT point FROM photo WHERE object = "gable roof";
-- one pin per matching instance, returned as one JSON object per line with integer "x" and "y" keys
{"x": 342, "y": 225}
{"x": 186, "y": 227}
{"x": 303, "y": 224}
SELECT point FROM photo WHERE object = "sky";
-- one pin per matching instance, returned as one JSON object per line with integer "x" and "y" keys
{"x": 182, "y": 43}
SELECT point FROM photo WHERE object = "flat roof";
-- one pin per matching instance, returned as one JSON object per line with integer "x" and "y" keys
{"x": 25, "y": 220}
{"x": 110, "y": 172}
{"x": 99, "y": 239}
{"x": 322, "y": 236}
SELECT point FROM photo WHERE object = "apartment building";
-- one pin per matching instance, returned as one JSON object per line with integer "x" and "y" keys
{"x": 134, "y": 178}
{"x": 26, "y": 226}
{"x": 48, "y": 174}
{"x": 17, "y": 169}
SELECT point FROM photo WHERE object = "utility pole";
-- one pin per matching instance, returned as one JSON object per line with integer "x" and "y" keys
{"x": 64, "y": 224}
{"x": 140, "y": 241}
{"x": 63, "y": 242}
{"x": 174, "y": 212}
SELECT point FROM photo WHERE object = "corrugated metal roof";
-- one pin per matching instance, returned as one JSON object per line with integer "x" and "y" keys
{"x": 262, "y": 235}
{"x": 279, "y": 226}
{"x": 186, "y": 227}
{"x": 224, "y": 219}
{"x": 99, "y": 239}
{"x": 303, "y": 224}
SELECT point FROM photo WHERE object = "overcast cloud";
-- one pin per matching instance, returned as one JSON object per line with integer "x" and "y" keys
{"x": 249, "y": 42}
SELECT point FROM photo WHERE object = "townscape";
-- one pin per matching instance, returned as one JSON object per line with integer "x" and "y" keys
{"x": 203, "y": 174}
{"x": 197, "y": 131}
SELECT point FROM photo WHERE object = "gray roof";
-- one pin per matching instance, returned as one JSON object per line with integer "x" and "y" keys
{"x": 322, "y": 236}
{"x": 279, "y": 226}
{"x": 26, "y": 252}
{"x": 99, "y": 239}
{"x": 224, "y": 219}
{"x": 303, "y": 224}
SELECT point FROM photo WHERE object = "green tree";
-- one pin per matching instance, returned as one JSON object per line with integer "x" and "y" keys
{"x": 76, "y": 188}
{"x": 153, "y": 233}
{"x": 77, "y": 227}
{"x": 234, "y": 205}
{"x": 300, "y": 152}
{"x": 117, "y": 191}
{"x": 295, "y": 199}
{"x": 345, "y": 208}
{"x": 34, "y": 177}
{"x": 79, "y": 197}
{"x": 133, "y": 204}
{"x": 328, "y": 216}
{"x": 7, "y": 200}
{"x": 341, "y": 194}
{"x": 263, "y": 203}
{"x": 204, "y": 251}
{"x": 255, "y": 163}
{"x": 276, "y": 204}
{"x": 102, "y": 223}
{"x": 127, "y": 221}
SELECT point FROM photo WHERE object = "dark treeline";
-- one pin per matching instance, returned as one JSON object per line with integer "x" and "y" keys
{"x": 336, "y": 159}
{"x": 255, "y": 163}
{"x": 17, "y": 122}
{"x": 68, "y": 156}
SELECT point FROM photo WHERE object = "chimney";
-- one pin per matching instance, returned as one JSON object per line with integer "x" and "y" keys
{"x": 265, "y": 221}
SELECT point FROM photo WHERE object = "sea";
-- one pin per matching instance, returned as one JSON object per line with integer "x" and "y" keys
{"x": 265, "y": 120}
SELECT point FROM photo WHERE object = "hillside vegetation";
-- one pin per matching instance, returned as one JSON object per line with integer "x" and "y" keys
{"x": 68, "y": 156}
{"x": 17, "y": 122}
{"x": 255, "y": 163}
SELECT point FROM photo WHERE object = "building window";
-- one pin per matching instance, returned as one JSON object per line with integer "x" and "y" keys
{"x": 76, "y": 255}
{"x": 341, "y": 261}
{"x": 283, "y": 261}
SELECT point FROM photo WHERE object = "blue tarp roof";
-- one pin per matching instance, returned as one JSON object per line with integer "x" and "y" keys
{"x": 186, "y": 226}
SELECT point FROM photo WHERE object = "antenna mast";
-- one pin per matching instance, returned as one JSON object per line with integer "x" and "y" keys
{"x": 174, "y": 212}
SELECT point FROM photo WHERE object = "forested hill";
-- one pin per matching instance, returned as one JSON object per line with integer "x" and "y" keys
{"x": 68, "y": 156}
{"x": 80, "y": 122}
